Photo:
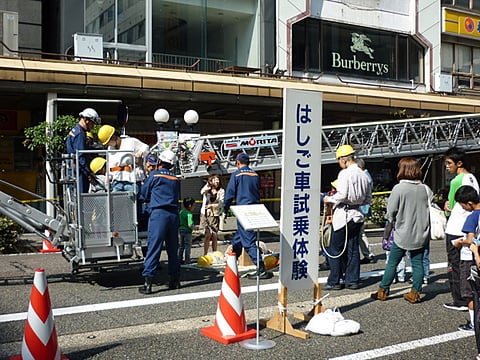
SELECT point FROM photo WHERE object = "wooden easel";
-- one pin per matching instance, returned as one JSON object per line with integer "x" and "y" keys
{"x": 280, "y": 322}
{"x": 317, "y": 306}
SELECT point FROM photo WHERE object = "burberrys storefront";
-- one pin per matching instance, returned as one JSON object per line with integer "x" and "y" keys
{"x": 333, "y": 48}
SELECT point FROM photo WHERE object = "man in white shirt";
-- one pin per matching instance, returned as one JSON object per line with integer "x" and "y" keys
{"x": 353, "y": 190}
{"x": 121, "y": 163}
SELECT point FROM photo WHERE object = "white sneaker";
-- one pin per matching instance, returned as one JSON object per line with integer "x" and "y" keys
{"x": 453, "y": 306}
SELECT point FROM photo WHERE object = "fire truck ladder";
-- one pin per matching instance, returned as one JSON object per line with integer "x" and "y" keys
{"x": 394, "y": 138}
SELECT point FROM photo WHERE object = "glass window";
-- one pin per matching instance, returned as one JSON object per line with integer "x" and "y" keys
{"x": 476, "y": 5}
{"x": 463, "y": 58}
{"x": 313, "y": 46}
{"x": 447, "y": 57}
{"x": 298, "y": 46}
{"x": 447, "y": 2}
{"x": 415, "y": 64}
{"x": 462, "y": 3}
{"x": 476, "y": 61}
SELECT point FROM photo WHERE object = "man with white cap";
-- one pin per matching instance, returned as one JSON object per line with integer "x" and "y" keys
{"x": 244, "y": 188}
{"x": 160, "y": 191}
{"x": 77, "y": 141}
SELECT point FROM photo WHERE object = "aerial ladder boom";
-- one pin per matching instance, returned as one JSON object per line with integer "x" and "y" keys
{"x": 204, "y": 155}
{"x": 33, "y": 220}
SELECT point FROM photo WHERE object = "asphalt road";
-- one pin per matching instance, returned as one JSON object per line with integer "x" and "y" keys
{"x": 101, "y": 315}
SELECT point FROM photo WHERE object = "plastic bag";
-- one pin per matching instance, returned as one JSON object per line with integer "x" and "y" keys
{"x": 331, "y": 322}
{"x": 388, "y": 242}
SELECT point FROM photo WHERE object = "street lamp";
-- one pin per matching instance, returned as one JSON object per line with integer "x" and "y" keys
{"x": 176, "y": 140}
{"x": 161, "y": 117}
{"x": 191, "y": 118}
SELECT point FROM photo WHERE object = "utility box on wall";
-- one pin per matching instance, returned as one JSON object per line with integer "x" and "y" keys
{"x": 88, "y": 47}
{"x": 9, "y": 33}
{"x": 443, "y": 83}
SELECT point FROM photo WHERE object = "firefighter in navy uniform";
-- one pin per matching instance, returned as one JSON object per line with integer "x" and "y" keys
{"x": 77, "y": 140}
{"x": 244, "y": 188}
{"x": 160, "y": 191}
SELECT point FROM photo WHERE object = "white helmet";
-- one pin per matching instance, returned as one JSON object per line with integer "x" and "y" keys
{"x": 91, "y": 114}
{"x": 168, "y": 156}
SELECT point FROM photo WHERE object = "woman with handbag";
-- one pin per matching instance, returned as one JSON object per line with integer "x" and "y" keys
{"x": 408, "y": 207}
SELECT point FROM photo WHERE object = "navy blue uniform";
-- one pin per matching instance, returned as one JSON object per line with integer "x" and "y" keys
{"x": 161, "y": 190}
{"x": 244, "y": 187}
{"x": 76, "y": 140}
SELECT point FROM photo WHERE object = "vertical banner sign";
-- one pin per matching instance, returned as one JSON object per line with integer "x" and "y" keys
{"x": 300, "y": 211}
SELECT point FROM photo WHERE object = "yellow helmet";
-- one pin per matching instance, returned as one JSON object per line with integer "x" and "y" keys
{"x": 344, "y": 150}
{"x": 334, "y": 183}
{"x": 271, "y": 261}
{"x": 90, "y": 135}
{"x": 96, "y": 164}
{"x": 105, "y": 133}
{"x": 205, "y": 260}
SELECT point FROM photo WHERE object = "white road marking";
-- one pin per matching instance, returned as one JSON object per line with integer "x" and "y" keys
{"x": 169, "y": 298}
{"x": 410, "y": 345}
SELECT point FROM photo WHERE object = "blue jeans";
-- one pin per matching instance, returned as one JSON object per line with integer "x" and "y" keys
{"x": 396, "y": 255}
{"x": 349, "y": 262}
{"x": 401, "y": 268}
{"x": 123, "y": 186}
{"x": 185, "y": 245}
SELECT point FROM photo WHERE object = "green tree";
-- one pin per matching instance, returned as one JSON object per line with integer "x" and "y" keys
{"x": 50, "y": 136}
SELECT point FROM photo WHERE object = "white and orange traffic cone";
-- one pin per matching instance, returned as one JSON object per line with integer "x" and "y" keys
{"x": 47, "y": 247}
{"x": 230, "y": 324}
{"x": 40, "y": 337}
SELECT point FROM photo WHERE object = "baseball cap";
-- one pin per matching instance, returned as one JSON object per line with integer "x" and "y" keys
{"x": 243, "y": 156}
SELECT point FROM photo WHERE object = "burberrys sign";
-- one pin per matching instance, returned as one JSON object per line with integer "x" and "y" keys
{"x": 360, "y": 44}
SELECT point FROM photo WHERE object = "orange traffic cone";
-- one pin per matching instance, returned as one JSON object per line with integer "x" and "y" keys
{"x": 47, "y": 247}
{"x": 40, "y": 336}
{"x": 230, "y": 325}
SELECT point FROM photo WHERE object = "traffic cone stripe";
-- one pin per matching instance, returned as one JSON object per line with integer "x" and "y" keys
{"x": 40, "y": 337}
{"x": 38, "y": 302}
{"x": 39, "y": 346}
{"x": 41, "y": 329}
{"x": 230, "y": 324}
{"x": 229, "y": 300}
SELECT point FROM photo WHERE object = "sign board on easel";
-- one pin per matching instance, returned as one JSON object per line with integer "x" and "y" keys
{"x": 300, "y": 210}
{"x": 254, "y": 217}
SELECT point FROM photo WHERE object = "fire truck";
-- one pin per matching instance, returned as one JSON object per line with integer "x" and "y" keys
{"x": 101, "y": 229}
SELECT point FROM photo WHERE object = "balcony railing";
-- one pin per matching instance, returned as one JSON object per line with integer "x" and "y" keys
{"x": 179, "y": 61}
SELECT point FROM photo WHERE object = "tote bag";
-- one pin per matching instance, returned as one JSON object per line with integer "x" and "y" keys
{"x": 438, "y": 220}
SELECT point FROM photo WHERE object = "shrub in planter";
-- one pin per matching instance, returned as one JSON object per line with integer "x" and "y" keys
{"x": 9, "y": 231}
{"x": 379, "y": 206}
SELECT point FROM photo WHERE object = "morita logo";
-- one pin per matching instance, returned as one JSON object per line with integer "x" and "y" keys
{"x": 257, "y": 141}
{"x": 360, "y": 43}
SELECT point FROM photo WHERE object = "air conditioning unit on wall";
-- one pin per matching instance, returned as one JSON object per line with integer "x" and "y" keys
{"x": 88, "y": 47}
{"x": 443, "y": 83}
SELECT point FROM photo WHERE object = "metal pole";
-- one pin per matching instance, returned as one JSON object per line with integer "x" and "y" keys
{"x": 50, "y": 188}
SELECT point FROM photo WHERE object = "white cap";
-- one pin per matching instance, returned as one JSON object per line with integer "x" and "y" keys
{"x": 89, "y": 113}
{"x": 168, "y": 156}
